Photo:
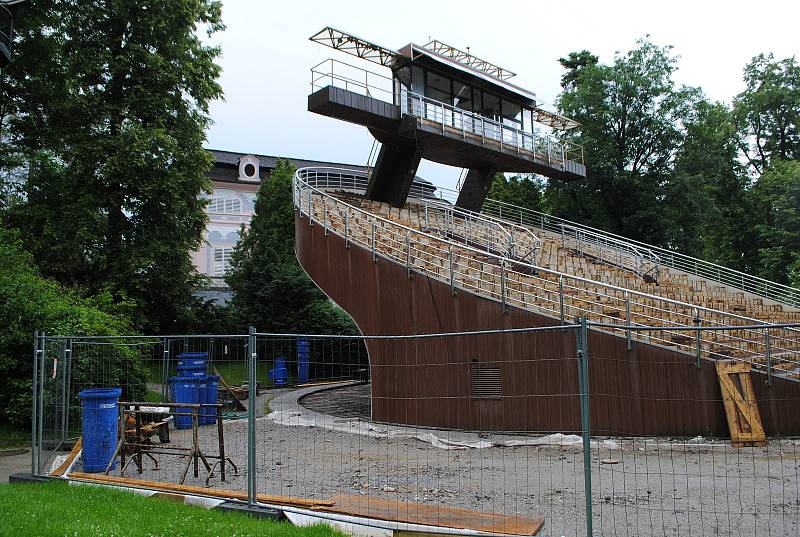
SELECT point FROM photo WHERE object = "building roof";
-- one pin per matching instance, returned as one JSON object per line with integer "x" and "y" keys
{"x": 415, "y": 51}
{"x": 270, "y": 161}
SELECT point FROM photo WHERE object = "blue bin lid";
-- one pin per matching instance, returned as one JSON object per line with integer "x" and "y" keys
{"x": 192, "y": 355}
{"x": 99, "y": 393}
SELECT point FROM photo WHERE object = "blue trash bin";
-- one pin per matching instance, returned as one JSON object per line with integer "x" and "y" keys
{"x": 100, "y": 426}
{"x": 209, "y": 414}
{"x": 185, "y": 390}
{"x": 191, "y": 372}
{"x": 279, "y": 375}
{"x": 302, "y": 360}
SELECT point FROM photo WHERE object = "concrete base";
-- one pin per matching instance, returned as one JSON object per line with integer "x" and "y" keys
{"x": 252, "y": 510}
{"x": 27, "y": 478}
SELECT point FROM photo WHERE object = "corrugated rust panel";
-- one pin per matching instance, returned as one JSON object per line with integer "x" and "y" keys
{"x": 646, "y": 391}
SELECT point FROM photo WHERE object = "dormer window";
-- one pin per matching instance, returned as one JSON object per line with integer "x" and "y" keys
{"x": 248, "y": 168}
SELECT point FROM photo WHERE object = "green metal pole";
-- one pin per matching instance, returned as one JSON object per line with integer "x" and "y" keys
{"x": 251, "y": 417}
{"x": 582, "y": 337}
{"x": 40, "y": 434}
{"x": 34, "y": 405}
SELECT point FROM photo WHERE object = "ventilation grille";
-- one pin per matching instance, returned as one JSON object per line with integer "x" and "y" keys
{"x": 486, "y": 383}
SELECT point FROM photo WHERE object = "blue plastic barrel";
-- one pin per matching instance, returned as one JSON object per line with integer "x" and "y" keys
{"x": 209, "y": 414}
{"x": 192, "y": 361}
{"x": 100, "y": 426}
{"x": 279, "y": 374}
{"x": 185, "y": 390}
{"x": 191, "y": 372}
{"x": 302, "y": 360}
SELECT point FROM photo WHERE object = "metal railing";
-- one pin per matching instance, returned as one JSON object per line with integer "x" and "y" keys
{"x": 639, "y": 260}
{"x": 341, "y": 74}
{"x": 485, "y": 233}
{"x": 470, "y": 124}
{"x": 545, "y": 147}
{"x": 546, "y": 291}
{"x": 667, "y": 258}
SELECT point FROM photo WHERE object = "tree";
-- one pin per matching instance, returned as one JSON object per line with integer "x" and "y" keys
{"x": 706, "y": 208}
{"x": 630, "y": 114}
{"x": 27, "y": 302}
{"x": 523, "y": 190}
{"x": 767, "y": 112}
{"x": 107, "y": 107}
{"x": 776, "y": 211}
{"x": 271, "y": 290}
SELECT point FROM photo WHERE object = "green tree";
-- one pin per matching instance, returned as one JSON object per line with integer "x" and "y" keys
{"x": 523, "y": 190}
{"x": 271, "y": 290}
{"x": 630, "y": 113}
{"x": 776, "y": 211}
{"x": 27, "y": 302}
{"x": 767, "y": 112}
{"x": 107, "y": 106}
{"x": 706, "y": 207}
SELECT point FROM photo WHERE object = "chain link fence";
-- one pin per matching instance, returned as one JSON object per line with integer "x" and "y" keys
{"x": 503, "y": 432}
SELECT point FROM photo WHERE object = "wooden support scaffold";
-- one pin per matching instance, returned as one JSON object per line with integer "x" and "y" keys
{"x": 136, "y": 442}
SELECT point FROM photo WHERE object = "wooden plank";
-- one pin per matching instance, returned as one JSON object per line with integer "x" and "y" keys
{"x": 741, "y": 406}
{"x": 238, "y": 402}
{"x": 434, "y": 515}
{"x": 58, "y": 472}
{"x": 203, "y": 491}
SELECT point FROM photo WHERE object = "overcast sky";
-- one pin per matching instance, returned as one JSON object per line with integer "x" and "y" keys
{"x": 266, "y": 55}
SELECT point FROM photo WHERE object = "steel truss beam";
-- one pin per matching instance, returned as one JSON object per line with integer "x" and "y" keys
{"x": 339, "y": 40}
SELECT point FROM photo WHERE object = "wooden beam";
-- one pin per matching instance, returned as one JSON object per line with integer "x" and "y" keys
{"x": 202, "y": 491}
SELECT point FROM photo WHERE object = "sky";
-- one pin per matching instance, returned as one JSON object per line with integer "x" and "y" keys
{"x": 267, "y": 56}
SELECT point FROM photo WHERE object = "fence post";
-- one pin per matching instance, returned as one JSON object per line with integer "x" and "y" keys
{"x": 768, "y": 349}
{"x": 346, "y": 229}
{"x": 452, "y": 273}
{"x": 251, "y": 416}
{"x": 310, "y": 209}
{"x": 165, "y": 370}
{"x": 628, "y": 319}
{"x": 62, "y": 357}
{"x": 503, "y": 285}
{"x": 374, "y": 254}
{"x": 582, "y": 338}
{"x": 42, "y": 360}
{"x": 67, "y": 383}
{"x": 325, "y": 215}
{"x": 408, "y": 253}
{"x": 34, "y": 405}
{"x": 698, "y": 347}
{"x": 561, "y": 297}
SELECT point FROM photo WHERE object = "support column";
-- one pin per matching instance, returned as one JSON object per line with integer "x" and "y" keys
{"x": 475, "y": 188}
{"x": 394, "y": 172}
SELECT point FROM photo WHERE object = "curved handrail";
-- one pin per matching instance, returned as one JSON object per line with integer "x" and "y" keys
{"x": 756, "y": 285}
{"x": 302, "y": 183}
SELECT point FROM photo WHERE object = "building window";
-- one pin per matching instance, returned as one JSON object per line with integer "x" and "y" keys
{"x": 486, "y": 382}
{"x": 222, "y": 261}
{"x": 224, "y": 205}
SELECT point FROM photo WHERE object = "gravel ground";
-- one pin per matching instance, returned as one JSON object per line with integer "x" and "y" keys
{"x": 640, "y": 486}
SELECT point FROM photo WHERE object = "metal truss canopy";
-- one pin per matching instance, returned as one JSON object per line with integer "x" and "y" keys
{"x": 553, "y": 120}
{"x": 339, "y": 40}
{"x": 469, "y": 60}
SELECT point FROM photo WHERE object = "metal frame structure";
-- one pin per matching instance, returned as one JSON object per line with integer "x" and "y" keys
{"x": 469, "y": 60}
{"x": 356, "y": 46}
{"x": 528, "y": 286}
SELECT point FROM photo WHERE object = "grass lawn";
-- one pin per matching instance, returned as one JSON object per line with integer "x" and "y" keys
{"x": 56, "y": 508}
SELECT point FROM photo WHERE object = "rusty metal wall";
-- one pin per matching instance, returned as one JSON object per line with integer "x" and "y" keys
{"x": 648, "y": 390}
